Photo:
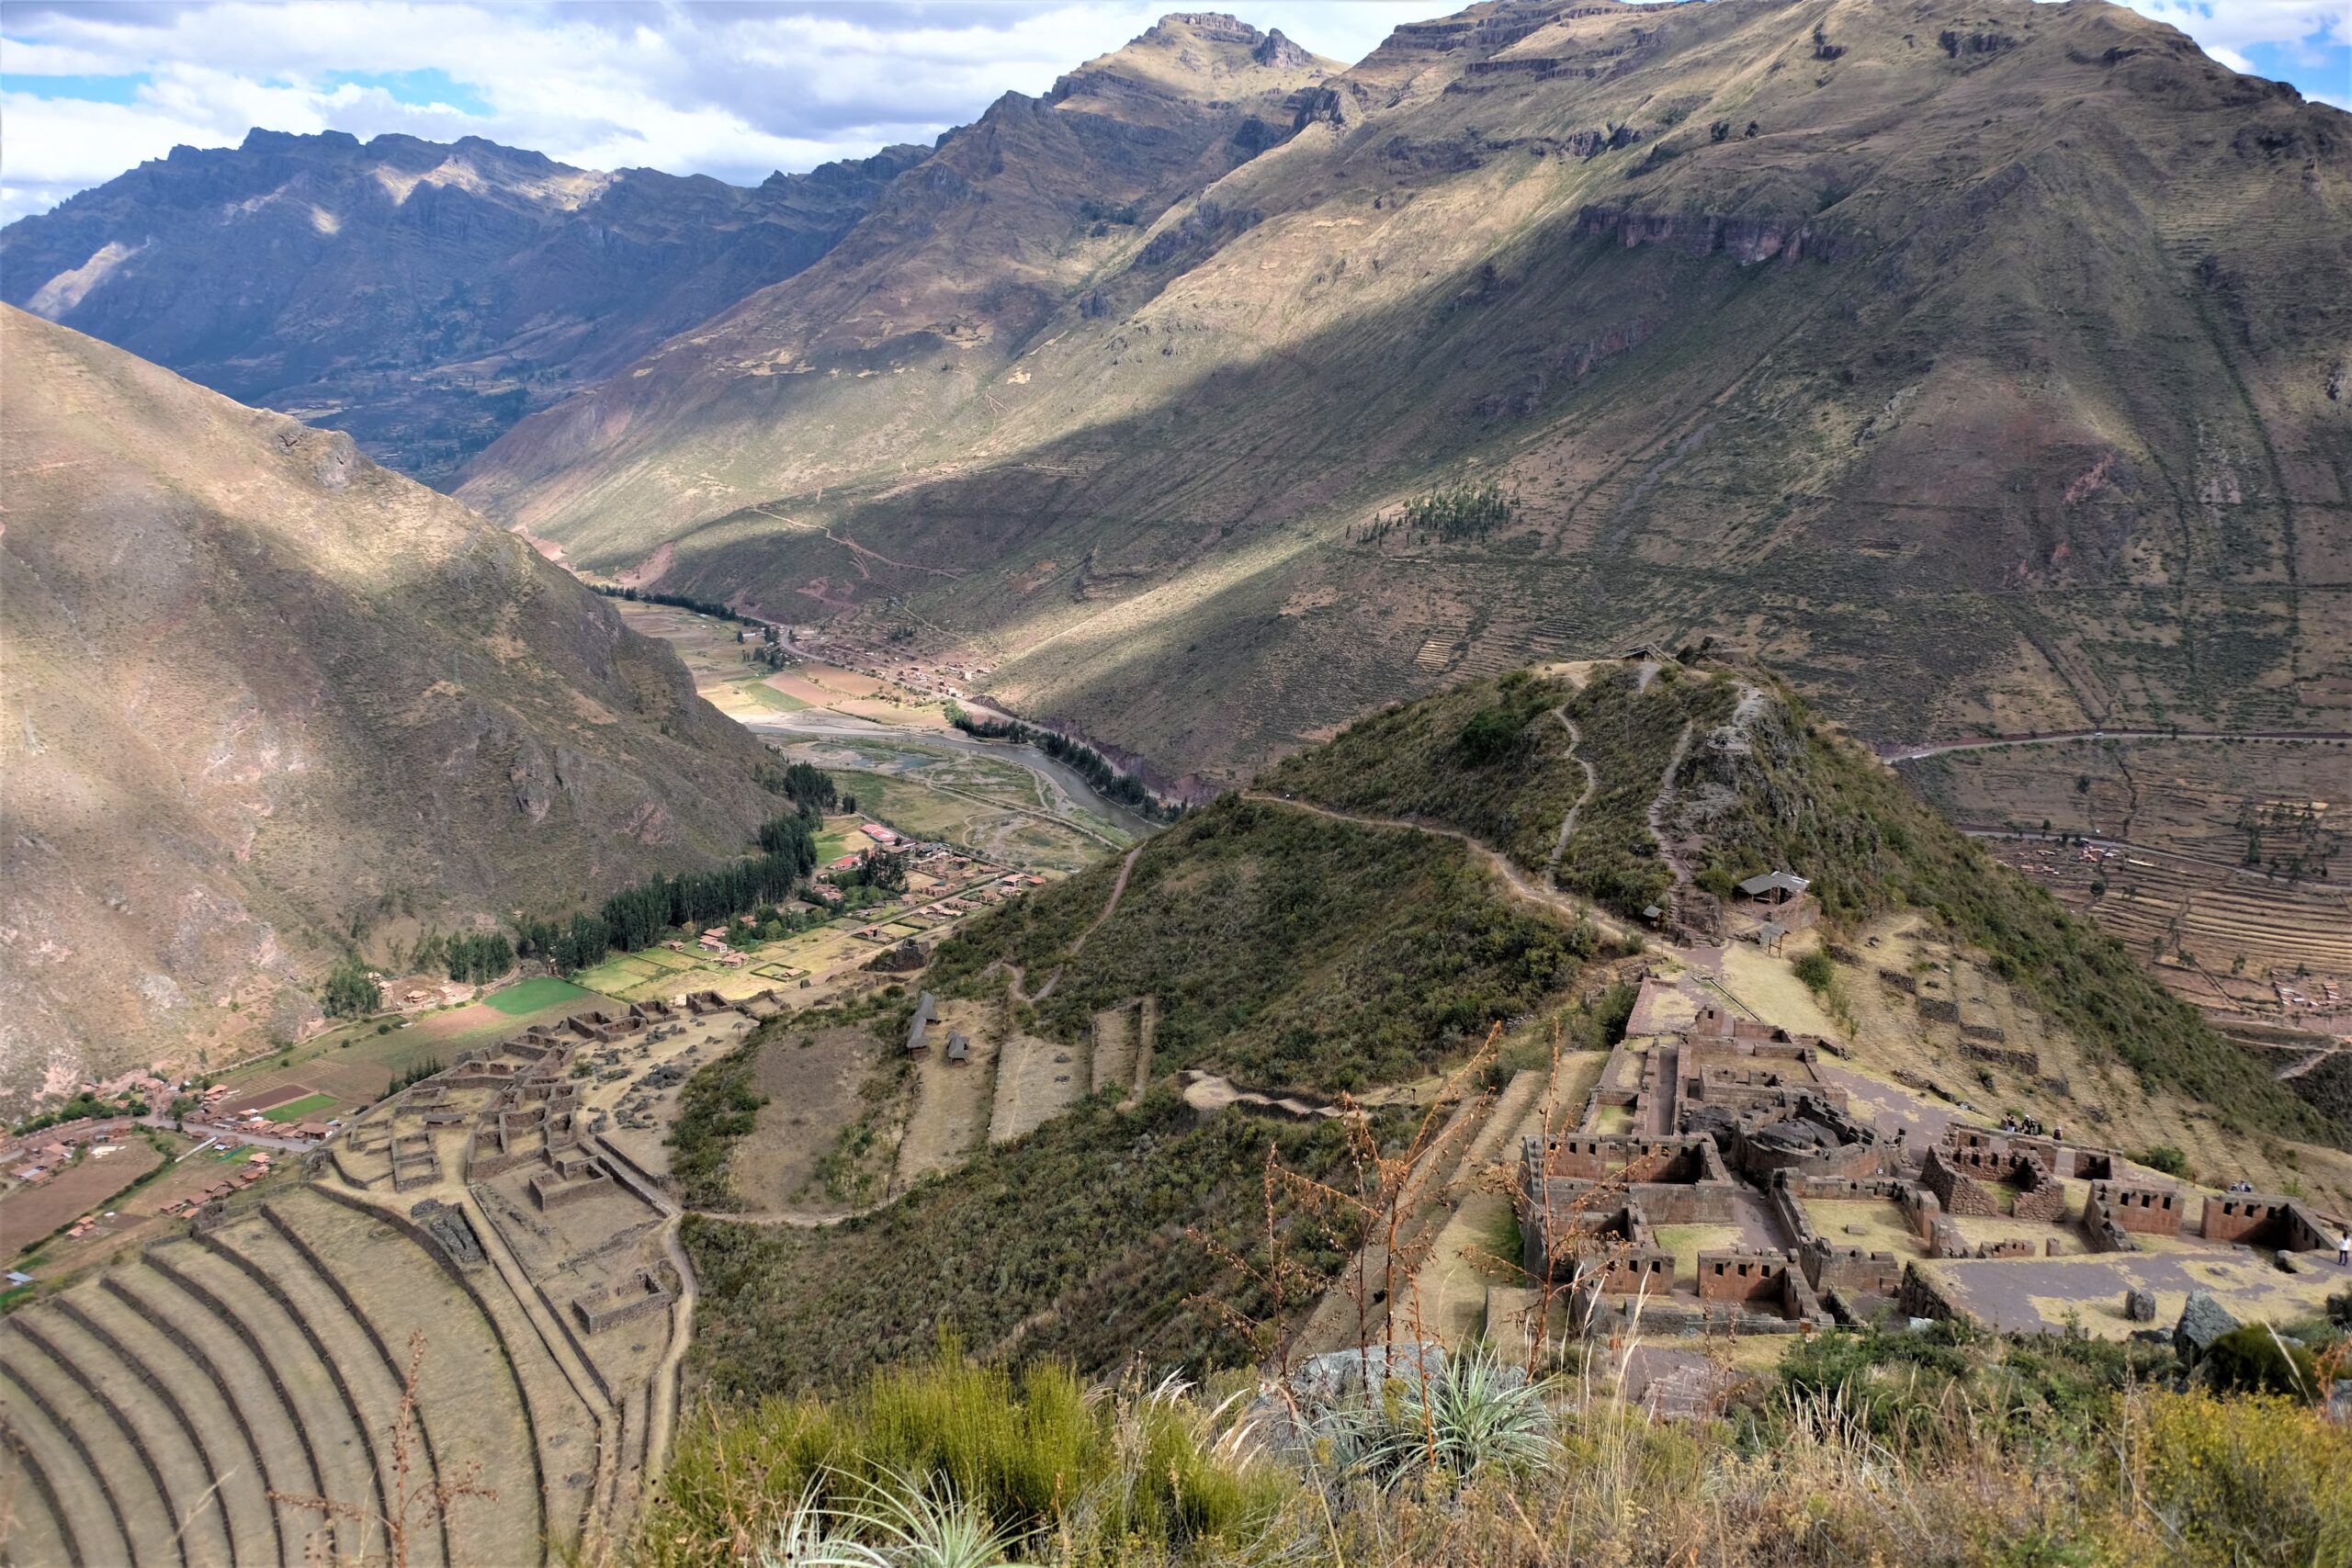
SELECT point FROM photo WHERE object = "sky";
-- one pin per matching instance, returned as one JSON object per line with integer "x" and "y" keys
{"x": 690, "y": 86}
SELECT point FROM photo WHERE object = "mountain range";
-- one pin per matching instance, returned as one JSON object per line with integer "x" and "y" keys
{"x": 1979, "y": 369}
{"x": 421, "y": 295}
{"x": 268, "y": 702}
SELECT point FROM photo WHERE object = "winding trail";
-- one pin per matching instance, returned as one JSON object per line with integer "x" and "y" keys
{"x": 1517, "y": 881}
{"x": 668, "y": 1378}
{"x": 1020, "y": 979}
{"x": 1118, "y": 888}
{"x": 858, "y": 550}
{"x": 1657, "y": 808}
{"x": 1110, "y": 907}
{"x": 1568, "y": 823}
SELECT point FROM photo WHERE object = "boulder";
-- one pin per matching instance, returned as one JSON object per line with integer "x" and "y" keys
{"x": 2140, "y": 1306}
{"x": 2202, "y": 1320}
{"x": 1320, "y": 1383}
{"x": 1327, "y": 1379}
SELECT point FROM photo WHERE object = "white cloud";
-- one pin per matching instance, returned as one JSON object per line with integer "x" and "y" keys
{"x": 730, "y": 90}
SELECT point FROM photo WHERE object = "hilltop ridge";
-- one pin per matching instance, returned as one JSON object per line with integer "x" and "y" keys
{"x": 422, "y": 296}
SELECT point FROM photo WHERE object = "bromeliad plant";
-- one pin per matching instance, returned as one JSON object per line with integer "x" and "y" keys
{"x": 1474, "y": 1415}
{"x": 899, "y": 1523}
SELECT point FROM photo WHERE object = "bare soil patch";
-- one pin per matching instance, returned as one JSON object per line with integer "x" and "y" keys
{"x": 950, "y": 1117}
{"x": 1035, "y": 1080}
{"x": 811, "y": 1079}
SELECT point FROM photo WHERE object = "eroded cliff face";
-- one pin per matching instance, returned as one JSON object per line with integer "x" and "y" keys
{"x": 267, "y": 701}
{"x": 422, "y": 296}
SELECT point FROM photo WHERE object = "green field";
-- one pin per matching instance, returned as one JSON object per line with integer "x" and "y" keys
{"x": 296, "y": 1110}
{"x": 535, "y": 996}
{"x": 617, "y": 975}
{"x": 662, "y": 958}
{"x": 767, "y": 696}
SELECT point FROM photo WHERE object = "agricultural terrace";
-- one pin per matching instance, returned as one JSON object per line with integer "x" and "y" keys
{"x": 2218, "y": 863}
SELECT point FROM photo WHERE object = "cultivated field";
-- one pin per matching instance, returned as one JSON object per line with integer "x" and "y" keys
{"x": 29, "y": 1213}
{"x": 2220, "y": 863}
{"x": 743, "y": 689}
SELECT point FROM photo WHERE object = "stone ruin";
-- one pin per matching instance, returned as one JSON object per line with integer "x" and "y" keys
{"x": 567, "y": 1179}
{"x": 1958, "y": 1174}
{"x": 640, "y": 1295}
{"x": 448, "y": 1228}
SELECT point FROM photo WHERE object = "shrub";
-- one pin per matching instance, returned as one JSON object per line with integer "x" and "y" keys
{"x": 2253, "y": 1359}
{"x": 1490, "y": 734}
{"x": 717, "y": 1107}
{"x": 1474, "y": 1415}
{"x": 1816, "y": 970}
{"x": 949, "y": 1447}
{"x": 2256, "y": 1482}
{"x": 2164, "y": 1157}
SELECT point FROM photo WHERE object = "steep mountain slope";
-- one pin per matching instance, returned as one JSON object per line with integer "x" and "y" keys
{"x": 421, "y": 295}
{"x": 263, "y": 696}
{"x": 906, "y": 327}
{"x": 1977, "y": 365}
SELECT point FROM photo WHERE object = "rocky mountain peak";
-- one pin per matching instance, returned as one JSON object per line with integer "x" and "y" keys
{"x": 1277, "y": 52}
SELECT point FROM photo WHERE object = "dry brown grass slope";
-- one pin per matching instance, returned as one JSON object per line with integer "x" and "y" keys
{"x": 1998, "y": 376}
{"x": 261, "y": 695}
{"x": 911, "y": 320}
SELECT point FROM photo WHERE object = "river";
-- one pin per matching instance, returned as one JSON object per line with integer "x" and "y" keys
{"x": 1066, "y": 781}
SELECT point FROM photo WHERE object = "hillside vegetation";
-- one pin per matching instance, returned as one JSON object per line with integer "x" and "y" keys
{"x": 274, "y": 704}
{"x": 1283, "y": 948}
{"x": 1942, "y": 1449}
{"x": 1094, "y": 1240}
{"x": 1762, "y": 784}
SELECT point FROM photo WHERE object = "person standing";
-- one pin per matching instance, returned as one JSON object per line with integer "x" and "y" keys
{"x": 2343, "y": 1250}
